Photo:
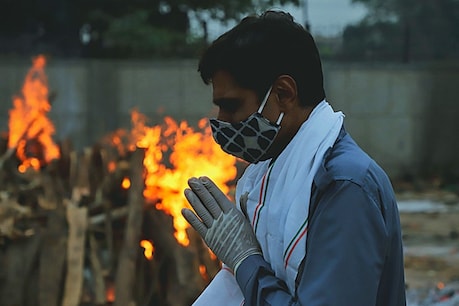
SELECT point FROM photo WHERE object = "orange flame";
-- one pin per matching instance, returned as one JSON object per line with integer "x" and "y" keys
{"x": 110, "y": 294}
{"x": 126, "y": 183}
{"x": 191, "y": 153}
{"x": 28, "y": 120}
{"x": 203, "y": 272}
{"x": 212, "y": 255}
{"x": 148, "y": 249}
{"x": 111, "y": 166}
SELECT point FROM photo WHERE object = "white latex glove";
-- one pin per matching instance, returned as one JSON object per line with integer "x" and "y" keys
{"x": 222, "y": 226}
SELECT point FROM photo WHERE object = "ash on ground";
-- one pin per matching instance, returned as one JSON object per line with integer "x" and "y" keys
{"x": 430, "y": 229}
{"x": 443, "y": 296}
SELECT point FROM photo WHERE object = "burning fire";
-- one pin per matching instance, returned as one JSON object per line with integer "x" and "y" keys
{"x": 148, "y": 249}
{"x": 174, "y": 153}
{"x": 28, "y": 120}
{"x": 126, "y": 183}
{"x": 203, "y": 272}
{"x": 110, "y": 293}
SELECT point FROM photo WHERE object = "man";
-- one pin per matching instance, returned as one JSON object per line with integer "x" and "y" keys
{"x": 317, "y": 221}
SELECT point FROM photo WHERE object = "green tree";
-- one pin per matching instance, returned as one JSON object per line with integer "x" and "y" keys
{"x": 405, "y": 30}
{"x": 115, "y": 28}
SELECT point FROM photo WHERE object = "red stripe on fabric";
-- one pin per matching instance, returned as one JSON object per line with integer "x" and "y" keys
{"x": 259, "y": 201}
{"x": 227, "y": 269}
{"x": 294, "y": 245}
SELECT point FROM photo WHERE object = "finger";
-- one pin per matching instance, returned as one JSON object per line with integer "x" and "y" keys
{"x": 205, "y": 196}
{"x": 194, "y": 221}
{"x": 217, "y": 194}
{"x": 200, "y": 209}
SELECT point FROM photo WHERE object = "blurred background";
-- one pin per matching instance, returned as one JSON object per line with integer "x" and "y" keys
{"x": 391, "y": 66}
{"x": 396, "y": 30}
{"x": 111, "y": 69}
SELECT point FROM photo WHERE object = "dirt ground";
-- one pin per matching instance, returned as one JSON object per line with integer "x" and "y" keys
{"x": 431, "y": 248}
{"x": 431, "y": 239}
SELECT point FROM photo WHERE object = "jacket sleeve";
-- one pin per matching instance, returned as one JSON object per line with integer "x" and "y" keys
{"x": 346, "y": 246}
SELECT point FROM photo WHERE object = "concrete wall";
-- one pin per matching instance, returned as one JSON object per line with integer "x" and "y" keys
{"x": 405, "y": 117}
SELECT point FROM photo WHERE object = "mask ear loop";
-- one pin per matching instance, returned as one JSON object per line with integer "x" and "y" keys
{"x": 280, "y": 118}
{"x": 265, "y": 99}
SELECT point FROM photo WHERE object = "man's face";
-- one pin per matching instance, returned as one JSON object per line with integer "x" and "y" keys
{"x": 235, "y": 103}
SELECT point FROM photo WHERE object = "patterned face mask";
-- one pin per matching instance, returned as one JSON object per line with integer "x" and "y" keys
{"x": 249, "y": 139}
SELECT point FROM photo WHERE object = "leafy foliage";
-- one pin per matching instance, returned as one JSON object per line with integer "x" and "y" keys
{"x": 114, "y": 28}
{"x": 405, "y": 30}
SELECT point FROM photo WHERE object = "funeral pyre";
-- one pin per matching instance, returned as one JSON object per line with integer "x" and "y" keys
{"x": 101, "y": 226}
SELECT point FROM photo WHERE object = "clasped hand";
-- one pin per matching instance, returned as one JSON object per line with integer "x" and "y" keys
{"x": 217, "y": 220}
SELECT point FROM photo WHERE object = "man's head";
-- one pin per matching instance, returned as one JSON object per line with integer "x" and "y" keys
{"x": 266, "y": 56}
{"x": 260, "y": 49}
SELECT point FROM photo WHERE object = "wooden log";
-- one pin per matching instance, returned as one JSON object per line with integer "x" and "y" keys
{"x": 77, "y": 220}
{"x": 64, "y": 163}
{"x": 3, "y": 142}
{"x": 159, "y": 229}
{"x": 108, "y": 228}
{"x": 115, "y": 214}
{"x": 6, "y": 156}
{"x": 149, "y": 283}
{"x": 88, "y": 174}
{"x": 98, "y": 274}
{"x": 52, "y": 259}
{"x": 10, "y": 212}
{"x": 53, "y": 189}
{"x": 79, "y": 174}
{"x": 178, "y": 266}
{"x": 125, "y": 274}
{"x": 98, "y": 169}
{"x": 188, "y": 278}
{"x": 11, "y": 151}
{"x": 17, "y": 264}
{"x": 31, "y": 288}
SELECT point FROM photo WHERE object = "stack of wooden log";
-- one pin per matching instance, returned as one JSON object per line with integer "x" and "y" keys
{"x": 69, "y": 235}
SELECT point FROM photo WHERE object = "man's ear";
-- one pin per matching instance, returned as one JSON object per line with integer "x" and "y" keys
{"x": 287, "y": 93}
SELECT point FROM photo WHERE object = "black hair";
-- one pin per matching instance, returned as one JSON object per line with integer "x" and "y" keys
{"x": 260, "y": 49}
